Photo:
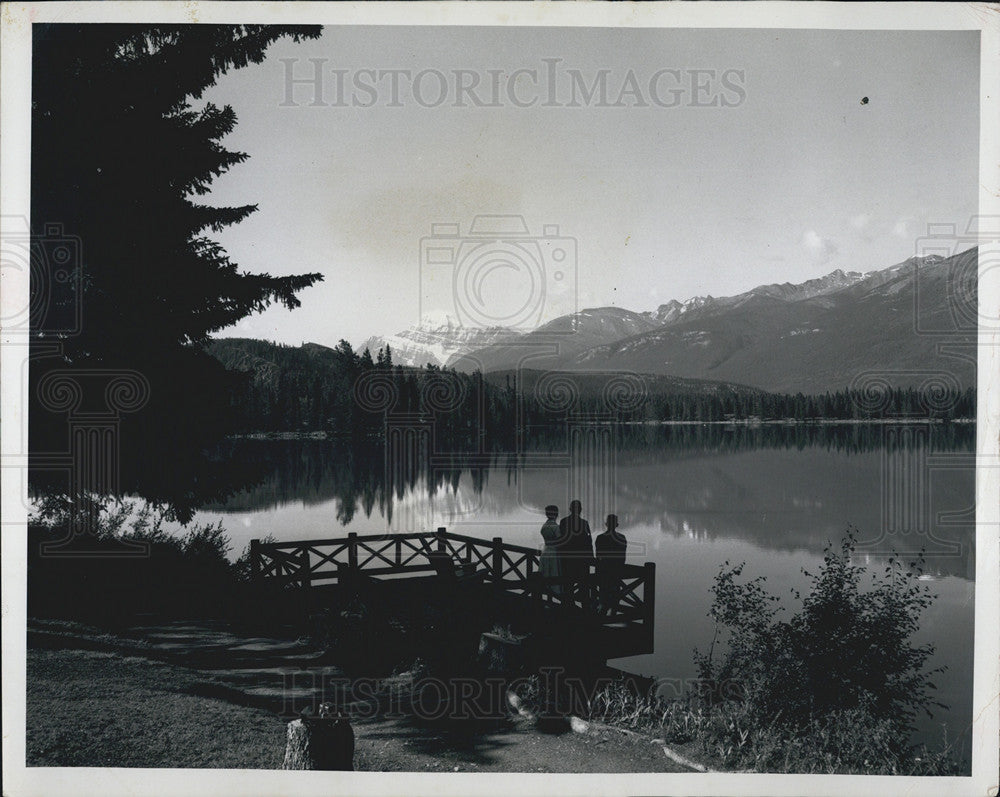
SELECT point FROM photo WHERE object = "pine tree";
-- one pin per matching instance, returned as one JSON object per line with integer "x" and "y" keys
{"x": 120, "y": 157}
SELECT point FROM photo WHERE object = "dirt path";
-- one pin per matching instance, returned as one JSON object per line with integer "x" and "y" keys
{"x": 388, "y": 745}
{"x": 254, "y": 681}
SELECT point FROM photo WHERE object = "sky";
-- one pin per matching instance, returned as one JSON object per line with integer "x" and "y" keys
{"x": 715, "y": 161}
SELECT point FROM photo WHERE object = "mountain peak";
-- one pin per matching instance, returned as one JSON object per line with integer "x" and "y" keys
{"x": 436, "y": 340}
{"x": 837, "y": 279}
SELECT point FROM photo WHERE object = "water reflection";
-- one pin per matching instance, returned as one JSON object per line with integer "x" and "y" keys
{"x": 780, "y": 487}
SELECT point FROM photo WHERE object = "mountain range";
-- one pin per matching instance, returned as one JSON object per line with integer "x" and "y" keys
{"x": 810, "y": 337}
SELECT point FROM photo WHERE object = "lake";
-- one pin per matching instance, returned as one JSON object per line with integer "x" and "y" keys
{"x": 687, "y": 498}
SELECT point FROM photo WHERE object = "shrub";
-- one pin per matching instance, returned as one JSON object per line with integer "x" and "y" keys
{"x": 833, "y": 689}
{"x": 185, "y": 573}
{"x": 836, "y": 687}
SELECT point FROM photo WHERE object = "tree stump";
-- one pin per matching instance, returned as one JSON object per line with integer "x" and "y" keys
{"x": 325, "y": 743}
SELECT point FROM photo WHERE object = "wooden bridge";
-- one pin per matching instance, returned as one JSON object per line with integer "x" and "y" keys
{"x": 617, "y": 606}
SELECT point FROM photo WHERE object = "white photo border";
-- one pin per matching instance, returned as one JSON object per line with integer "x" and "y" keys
{"x": 16, "y": 20}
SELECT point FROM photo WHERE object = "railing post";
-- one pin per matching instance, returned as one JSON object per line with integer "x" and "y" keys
{"x": 304, "y": 570}
{"x": 352, "y": 550}
{"x": 497, "y": 559}
{"x": 649, "y": 599}
{"x": 256, "y": 566}
{"x": 442, "y": 545}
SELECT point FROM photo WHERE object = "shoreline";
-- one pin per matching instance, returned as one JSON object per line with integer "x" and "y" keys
{"x": 745, "y": 422}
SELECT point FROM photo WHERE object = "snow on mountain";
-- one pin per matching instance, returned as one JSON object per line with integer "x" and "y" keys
{"x": 557, "y": 341}
{"x": 817, "y": 336}
{"x": 811, "y": 336}
{"x": 674, "y": 310}
{"x": 436, "y": 340}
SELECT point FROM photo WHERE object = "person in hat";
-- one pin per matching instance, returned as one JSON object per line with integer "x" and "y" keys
{"x": 610, "y": 547}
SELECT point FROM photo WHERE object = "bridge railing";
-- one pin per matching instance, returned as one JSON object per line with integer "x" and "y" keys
{"x": 623, "y": 596}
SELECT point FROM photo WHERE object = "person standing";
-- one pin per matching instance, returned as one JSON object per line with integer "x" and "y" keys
{"x": 577, "y": 543}
{"x": 610, "y": 547}
{"x": 550, "y": 561}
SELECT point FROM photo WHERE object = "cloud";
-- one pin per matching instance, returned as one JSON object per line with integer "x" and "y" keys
{"x": 860, "y": 222}
{"x": 901, "y": 229}
{"x": 819, "y": 248}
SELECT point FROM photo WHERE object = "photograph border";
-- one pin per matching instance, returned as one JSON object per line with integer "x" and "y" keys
{"x": 16, "y": 20}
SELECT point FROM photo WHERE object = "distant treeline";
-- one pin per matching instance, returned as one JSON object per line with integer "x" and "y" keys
{"x": 315, "y": 388}
{"x": 946, "y": 404}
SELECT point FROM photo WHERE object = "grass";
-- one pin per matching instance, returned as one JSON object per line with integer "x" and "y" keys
{"x": 726, "y": 736}
{"x": 89, "y": 708}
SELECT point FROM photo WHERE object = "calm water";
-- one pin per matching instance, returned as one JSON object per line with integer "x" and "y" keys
{"x": 688, "y": 500}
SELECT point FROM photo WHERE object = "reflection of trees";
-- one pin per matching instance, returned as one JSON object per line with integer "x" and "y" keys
{"x": 700, "y": 482}
{"x": 310, "y": 471}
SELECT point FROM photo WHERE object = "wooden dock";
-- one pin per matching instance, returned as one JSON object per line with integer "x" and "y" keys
{"x": 615, "y": 613}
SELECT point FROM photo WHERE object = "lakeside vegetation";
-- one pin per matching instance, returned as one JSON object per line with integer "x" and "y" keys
{"x": 833, "y": 689}
{"x": 89, "y": 708}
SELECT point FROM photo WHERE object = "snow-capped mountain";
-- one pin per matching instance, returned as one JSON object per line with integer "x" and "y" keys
{"x": 556, "y": 342}
{"x": 836, "y": 280}
{"x": 818, "y": 337}
{"x": 813, "y": 336}
{"x": 436, "y": 341}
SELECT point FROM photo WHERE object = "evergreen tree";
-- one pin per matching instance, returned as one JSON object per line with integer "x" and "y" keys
{"x": 120, "y": 156}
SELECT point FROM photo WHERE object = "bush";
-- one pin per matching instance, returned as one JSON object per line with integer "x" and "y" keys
{"x": 185, "y": 573}
{"x": 835, "y": 688}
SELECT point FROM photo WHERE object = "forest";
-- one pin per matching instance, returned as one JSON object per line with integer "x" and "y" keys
{"x": 313, "y": 388}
